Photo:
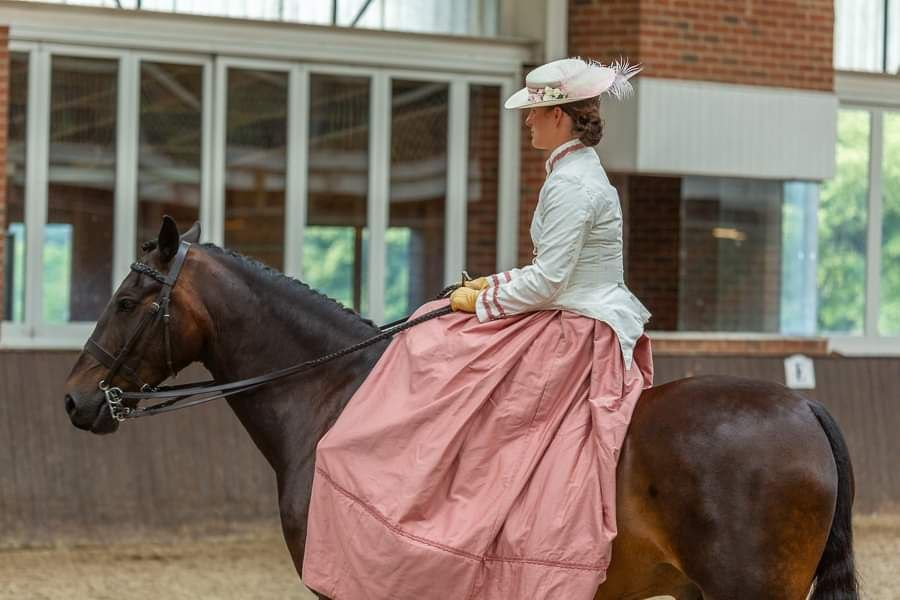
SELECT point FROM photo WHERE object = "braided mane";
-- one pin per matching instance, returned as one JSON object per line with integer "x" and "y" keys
{"x": 259, "y": 267}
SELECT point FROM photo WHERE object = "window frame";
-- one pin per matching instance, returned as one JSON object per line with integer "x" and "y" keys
{"x": 877, "y": 94}
{"x": 42, "y": 43}
{"x": 887, "y": 37}
{"x": 482, "y": 19}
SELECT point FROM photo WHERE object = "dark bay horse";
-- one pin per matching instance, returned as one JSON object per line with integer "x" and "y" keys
{"x": 728, "y": 489}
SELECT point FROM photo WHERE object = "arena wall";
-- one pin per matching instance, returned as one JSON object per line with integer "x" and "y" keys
{"x": 197, "y": 472}
{"x": 194, "y": 473}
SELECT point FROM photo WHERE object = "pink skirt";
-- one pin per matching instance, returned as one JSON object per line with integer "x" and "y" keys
{"x": 477, "y": 460}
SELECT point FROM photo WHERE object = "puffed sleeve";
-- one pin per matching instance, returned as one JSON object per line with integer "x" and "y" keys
{"x": 567, "y": 216}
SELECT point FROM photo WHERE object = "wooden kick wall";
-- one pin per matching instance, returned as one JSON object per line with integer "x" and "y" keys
{"x": 197, "y": 471}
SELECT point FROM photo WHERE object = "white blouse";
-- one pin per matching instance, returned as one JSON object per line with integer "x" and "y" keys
{"x": 576, "y": 232}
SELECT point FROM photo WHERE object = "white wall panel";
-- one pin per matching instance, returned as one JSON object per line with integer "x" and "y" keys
{"x": 618, "y": 150}
{"x": 702, "y": 128}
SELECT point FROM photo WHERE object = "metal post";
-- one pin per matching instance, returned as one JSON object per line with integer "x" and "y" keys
{"x": 360, "y": 13}
{"x": 873, "y": 226}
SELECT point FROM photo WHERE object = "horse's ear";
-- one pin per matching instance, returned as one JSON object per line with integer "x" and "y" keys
{"x": 168, "y": 239}
{"x": 192, "y": 235}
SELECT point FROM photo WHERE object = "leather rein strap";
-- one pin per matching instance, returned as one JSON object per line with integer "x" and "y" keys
{"x": 176, "y": 397}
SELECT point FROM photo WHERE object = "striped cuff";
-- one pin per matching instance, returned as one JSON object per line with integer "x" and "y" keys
{"x": 492, "y": 280}
{"x": 487, "y": 305}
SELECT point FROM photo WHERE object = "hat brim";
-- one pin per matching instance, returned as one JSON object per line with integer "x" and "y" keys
{"x": 519, "y": 100}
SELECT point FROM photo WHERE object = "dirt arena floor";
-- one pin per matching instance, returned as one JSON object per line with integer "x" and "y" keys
{"x": 257, "y": 567}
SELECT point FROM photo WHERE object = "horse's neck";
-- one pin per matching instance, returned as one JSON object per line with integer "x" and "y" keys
{"x": 271, "y": 326}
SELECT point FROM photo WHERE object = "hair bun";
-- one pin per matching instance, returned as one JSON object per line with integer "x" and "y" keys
{"x": 586, "y": 121}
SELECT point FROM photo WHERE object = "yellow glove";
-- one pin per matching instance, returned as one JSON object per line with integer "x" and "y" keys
{"x": 477, "y": 284}
{"x": 463, "y": 299}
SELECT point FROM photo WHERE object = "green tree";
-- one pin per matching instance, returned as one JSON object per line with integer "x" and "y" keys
{"x": 396, "y": 293}
{"x": 328, "y": 266}
{"x": 328, "y": 261}
{"x": 57, "y": 274}
{"x": 842, "y": 229}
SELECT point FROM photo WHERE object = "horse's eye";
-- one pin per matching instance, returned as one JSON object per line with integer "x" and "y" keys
{"x": 126, "y": 305}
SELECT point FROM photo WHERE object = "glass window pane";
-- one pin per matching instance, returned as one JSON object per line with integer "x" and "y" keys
{"x": 842, "y": 229}
{"x": 723, "y": 254}
{"x": 459, "y": 17}
{"x": 13, "y": 248}
{"x": 255, "y": 164}
{"x": 415, "y": 235}
{"x": 483, "y": 164}
{"x": 798, "y": 258}
{"x": 889, "y": 318}
{"x": 169, "y": 158}
{"x": 78, "y": 237}
{"x": 731, "y": 255}
{"x": 333, "y": 249}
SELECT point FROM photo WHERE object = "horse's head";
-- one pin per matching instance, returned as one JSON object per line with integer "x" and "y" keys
{"x": 149, "y": 330}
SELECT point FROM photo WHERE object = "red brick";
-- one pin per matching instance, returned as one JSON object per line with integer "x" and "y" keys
{"x": 789, "y": 43}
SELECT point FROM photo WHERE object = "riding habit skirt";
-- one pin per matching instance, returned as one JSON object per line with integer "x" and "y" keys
{"x": 477, "y": 460}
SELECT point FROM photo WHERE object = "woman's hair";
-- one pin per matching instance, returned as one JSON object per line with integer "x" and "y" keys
{"x": 586, "y": 121}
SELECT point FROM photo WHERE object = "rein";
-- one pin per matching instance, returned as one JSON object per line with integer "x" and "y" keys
{"x": 176, "y": 397}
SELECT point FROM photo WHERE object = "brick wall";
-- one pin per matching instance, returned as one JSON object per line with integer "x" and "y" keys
{"x": 604, "y": 29}
{"x": 777, "y": 43}
{"x": 654, "y": 243}
{"x": 533, "y": 175}
{"x": 531, "y": 169}
{"x": 484, "y": 161}
{"x": 4, "y": 104}
{"x": 731, "y": 280}
{"x": 691, "y": 279}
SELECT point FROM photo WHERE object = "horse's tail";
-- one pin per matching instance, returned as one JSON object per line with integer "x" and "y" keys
{"x": 836, "y": 573}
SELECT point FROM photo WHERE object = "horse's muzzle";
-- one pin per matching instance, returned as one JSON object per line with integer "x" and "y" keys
{"x": 86, "y": 411}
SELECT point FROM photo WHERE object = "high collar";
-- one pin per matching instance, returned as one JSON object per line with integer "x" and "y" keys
{"x": 562, "y": 150}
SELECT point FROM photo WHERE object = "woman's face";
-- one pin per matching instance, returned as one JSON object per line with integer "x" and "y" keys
{"x": 544, "y": 123}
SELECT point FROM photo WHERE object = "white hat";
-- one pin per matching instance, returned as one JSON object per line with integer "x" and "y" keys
{"x": 572, "y": 79}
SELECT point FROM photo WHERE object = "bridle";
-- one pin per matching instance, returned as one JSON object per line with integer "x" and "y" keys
{"x": 175, "y": 397}
{"x": 159, "y": 312}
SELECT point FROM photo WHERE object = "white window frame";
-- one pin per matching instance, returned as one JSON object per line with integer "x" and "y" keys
{"x": 481, "y": 18}
{"x": 217, "y": 217}
{"x": 877, "y": 94}
{"x": 42, "y": 32}
{"x": 33, "y": 332}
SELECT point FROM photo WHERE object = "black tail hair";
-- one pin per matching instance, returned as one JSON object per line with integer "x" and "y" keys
{"x": 836, "y": 572}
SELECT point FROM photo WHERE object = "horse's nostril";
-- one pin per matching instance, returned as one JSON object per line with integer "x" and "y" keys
{"x": 70, "y": 405}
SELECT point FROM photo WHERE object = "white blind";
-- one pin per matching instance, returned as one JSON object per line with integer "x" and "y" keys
{"x": 859, "y": 35}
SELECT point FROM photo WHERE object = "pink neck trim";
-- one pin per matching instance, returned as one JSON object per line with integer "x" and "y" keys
{"x": 566, "y": 149}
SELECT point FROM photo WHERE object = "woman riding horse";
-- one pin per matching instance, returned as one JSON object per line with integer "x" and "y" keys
{"x": 476, "y": 459}
{"x": 479, "y": 457}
